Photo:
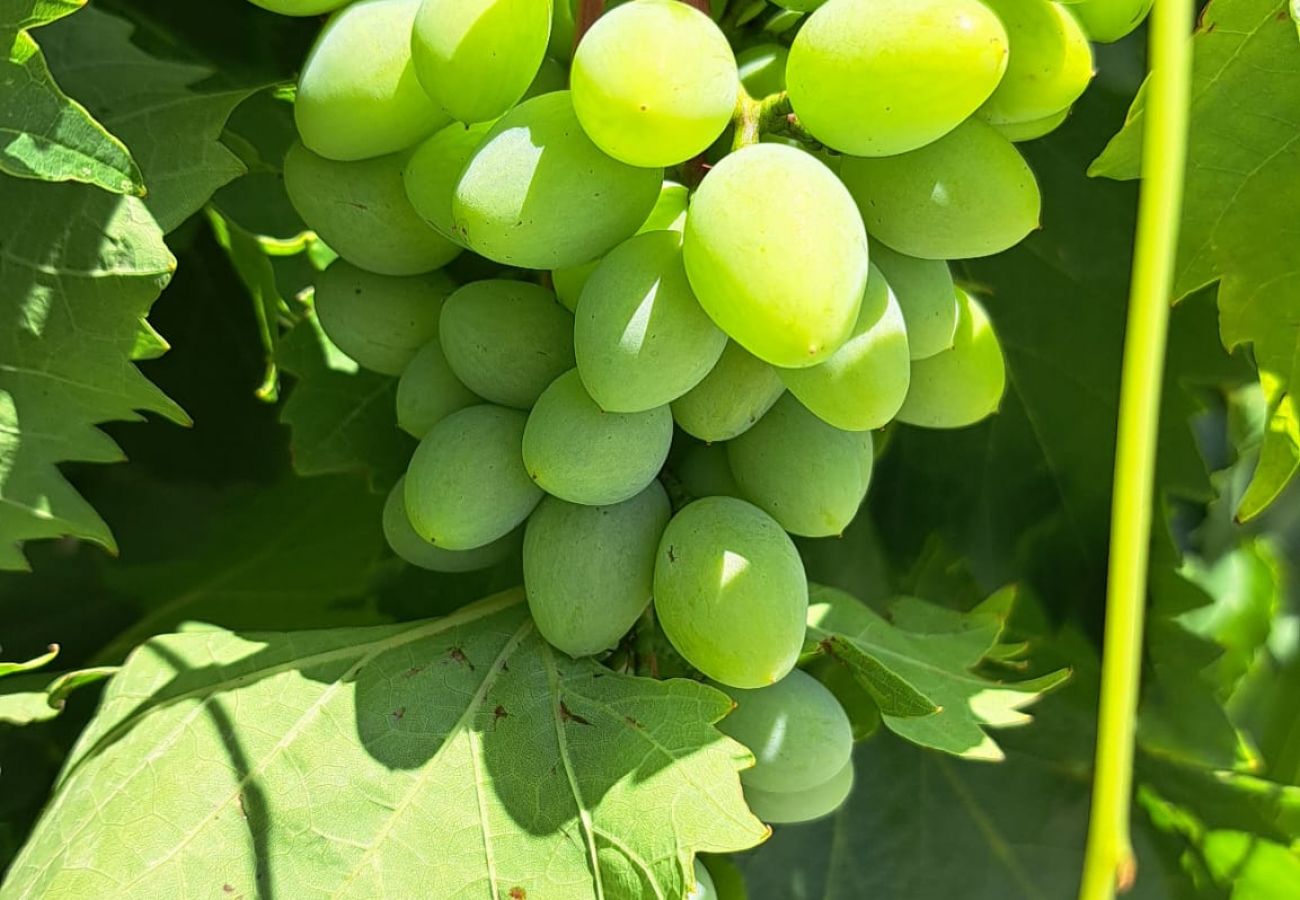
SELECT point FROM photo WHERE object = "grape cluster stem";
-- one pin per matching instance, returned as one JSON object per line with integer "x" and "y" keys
{"x": 1110, "y": 864}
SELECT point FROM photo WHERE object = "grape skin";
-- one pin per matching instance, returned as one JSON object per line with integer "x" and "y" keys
{"x": 882, "y": 77}
{"x": 589, "y": 570}
{"x": 358, "y": 96}
{"x": 731, "y": 593}
{"x": 1018, "y": 132}
{"x": 705, "y": 471}
{"x": 539, "y": 194}
{"x": 1106, "y": 21}
{"x": 466, "y": 485}
{"x": 798, "y": 732}
{"x": 961, "y": 386}
{"x": 704, "y": 888}
{"x": 506, "y": 340}
{"x": 925, "y": 294}
{"x": 476, "y": 58}
{"x": 641, "y": 338}
{"x": 762, "y": 69}
{"x": 381, "y": 321}
{"x": 968, "y": 194}
{"x": 809, "y": 476}
{"x": 1050, "y": 63}
{"x": 431, "y": 174}
{"x": 756, "y": 210}
{"x": 731, "y": 398}
{"x": 578, "y": 452}
{"x": 409, "y": 546}
{"x": 361, "y": 211}
{"x": 789, "y": 807}
{"x": 299, "y": 7}
{"x": 864, "y": 382}
{"x": 429, "y": 391}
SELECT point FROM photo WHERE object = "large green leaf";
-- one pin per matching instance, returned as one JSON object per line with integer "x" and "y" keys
{"x": 921, "y": 668}
{"x": 1242, "y": 193}
{"x": 44, "y": 134}
{"x": 455, "y": 758}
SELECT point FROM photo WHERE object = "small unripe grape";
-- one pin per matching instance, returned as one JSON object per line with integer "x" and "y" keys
{"x": 429, "y": 391}
{"x": 762, "y": 69}
{"x": 960, "y": 386}
{"x": 299, "y": 7}
{"x": 1018, "y": 132}
{"x": 731, "y": 398}
{"x": 407, "y": 544}
{"x": 432, "y": 171}
{"x": 1050, "y": 63}
{"x": 925, "y": 294}
{"x": 789, "y": 807}
{"x": 1107, "y": 21}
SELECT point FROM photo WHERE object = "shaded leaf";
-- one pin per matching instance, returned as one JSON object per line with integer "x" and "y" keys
{"x": 36, "y": 697}
{"x": 1239, "y": 221}
{"x": 31, "y": 664}
{"x": 387, "y": 762}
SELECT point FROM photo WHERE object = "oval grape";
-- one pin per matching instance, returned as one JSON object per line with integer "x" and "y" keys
{"x": 361, "y": 211}
{"x": 466, "y": 485}
{"x": 654, "y": 82}
{"x": 299, "y": 7}
{"x": 925, "y": 294}
{"x": 756, "y": 211}
{"x": 429, "y": 391}
{"x": 641, "y": 338}
{"x": 796, "y": 729}
{"x": 790, "y": 807}
{"x": 1106, "y": 21}
{"x": 882, "y": 77}
{"x": 358, "y": 95}
{"x": 705, "y": 471}
{"x": 809, "y": 476}
{"x": 506, "y": 340}
{"x": 1050, "y": 63}
{"x": 730, "y": 592}
{"x": 735, "y": 394}
{"x": 762, "y": 69}
{"x": 381, "y": 321}
{"x": 961, "y": 386}
{"x": 409, "y": 546}
{"x": 476, "y": 58}
{"x": 968, "y": 194}
{"x": 433, "y": 170}
{"x": 1019, "y": 132}
{"x": 864, "y": 382}
{"x": 589, "y": 570}
{"x": 578, "y": 452}
{"x": 539, "y": 194}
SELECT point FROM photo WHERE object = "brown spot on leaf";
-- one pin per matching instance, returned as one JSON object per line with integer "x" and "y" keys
{"x": 413, "y": 671}
{"x": 568, "y": 715}
{"x": 518, "y": 893}
{"x": 499, "y": 713}
{"x": 399, "y": 713}
{"x": 633, "y": 722}
{"x": 459, "y": 656}
{"x": 228, "y": 888}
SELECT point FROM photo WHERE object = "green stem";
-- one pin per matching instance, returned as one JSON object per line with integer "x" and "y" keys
{"x": 1110, "y": 864}
{"x": 753, "y": 117}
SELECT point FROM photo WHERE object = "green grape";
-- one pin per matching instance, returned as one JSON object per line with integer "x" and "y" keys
{"x": 641, "y": 338}
{"x": 551, "y": 77}
{"x": 654, "y": 82}
{"x": 968, "y": 194}
{"x": 881, "y": 77}
{"x": 466, "y": 486}
{"x": 506, "y": 340}
{"x": 415, "y": 550}
{"x": 958, "y": 387}
{"x": 1107, "y": 21}
{"x": 730, "y": 592}
{"x": 925, "y": 293}
{"x": 1050, "y": 63}
{"x": 476, "y": 58}
{"x": 360, "y": 209}
{"x": 669, "y": 213}
{"x": 563, "y": 29}
{"x": 809, "y": 476}
{"x": 863, "y": 713}
{"x": 431, "y": 174}
{"x": 731, "y": 398}
{"x": 381, "y": 321}
{"x": 757, "y": 213}
{"x": 703, "y": 889}
{"x": 704, "y": 471}
{"x": 570, "y": 281}
{"x": 429, "y": 391}
{"x": 578, "y": 452}
{"x": 864, "y": 382}
{"x": 539, "y": 194}
{"x": 589, "y": 570}
{"x": 762, "y": 69}
{"x": 1018, "y": 132}
{"x": 789, "y": 807}
{"x": 299, "y": 7}
{"x": 796, "y": 729}
{"x": 358, "y": 96}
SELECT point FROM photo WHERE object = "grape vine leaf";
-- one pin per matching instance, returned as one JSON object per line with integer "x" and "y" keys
{"x": 920, "y": 668}
{"x": 79, "y": 272}
{"x": 36, "y": 697}
{"x": 343, "y": 418}
{"x": 44, "y": 134}
{"x": 30, "y": 665}
{"x": 1239, "y": 222}
{"x": 273, "y": 557}
{"x": 173, "y": 129}
{"x": 460, "y": 757}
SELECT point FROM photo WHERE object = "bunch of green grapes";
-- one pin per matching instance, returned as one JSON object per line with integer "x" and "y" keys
{"x": 651, "y": 293}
